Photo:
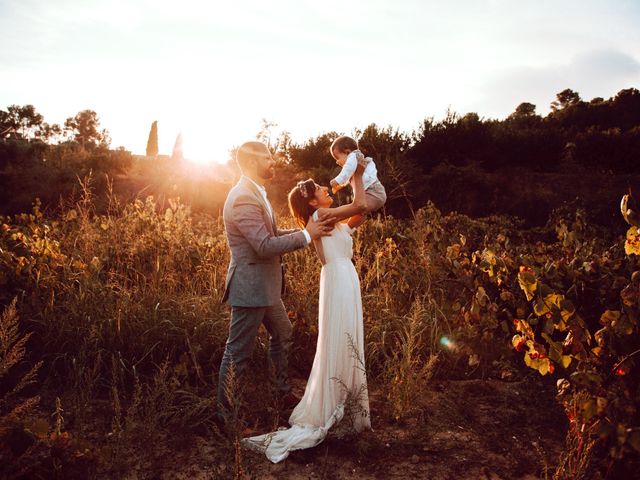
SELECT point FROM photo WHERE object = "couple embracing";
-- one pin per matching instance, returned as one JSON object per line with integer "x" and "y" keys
{"x": 255, "y": 284}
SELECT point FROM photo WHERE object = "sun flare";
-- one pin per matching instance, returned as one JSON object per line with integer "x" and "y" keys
{"x": 203, "y": 151}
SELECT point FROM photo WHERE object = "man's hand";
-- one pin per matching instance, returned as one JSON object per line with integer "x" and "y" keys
{"x": 322, "y": 227}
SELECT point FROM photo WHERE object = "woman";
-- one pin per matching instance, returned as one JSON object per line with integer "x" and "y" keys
{"x": 338, "y": 366}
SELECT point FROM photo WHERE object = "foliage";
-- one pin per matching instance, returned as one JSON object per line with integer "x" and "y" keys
{"x": 123, "y": 299}
{"x": 84, "y": 128}
{"x": 592, "y": 145}
{"x": 29, "y": 446}
{"x": 125, "y": 304}
{"x": 596, "y": 353}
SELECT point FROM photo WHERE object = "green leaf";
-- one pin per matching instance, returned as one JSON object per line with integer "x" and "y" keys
{"x": 544, "y": 290}
{"x": 548, "y": 326}
{"x": 544, "y": 366}
{"x": 540, "y": 307}
{"x": 555, "y": 348}
{"x": 528, "y": 283}
{"x": 609, "y": 316}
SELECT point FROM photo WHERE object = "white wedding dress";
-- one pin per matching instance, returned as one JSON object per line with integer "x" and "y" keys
{"x": 337, "y": 379}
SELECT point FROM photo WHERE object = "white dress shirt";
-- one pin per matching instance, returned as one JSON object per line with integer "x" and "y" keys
{"x": 369, "y": 176}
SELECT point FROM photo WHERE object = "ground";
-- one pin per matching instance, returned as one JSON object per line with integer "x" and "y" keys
{"x": 465, "y": 429}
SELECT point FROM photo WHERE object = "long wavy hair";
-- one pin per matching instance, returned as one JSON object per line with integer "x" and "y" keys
{"x": 299, "y": 198}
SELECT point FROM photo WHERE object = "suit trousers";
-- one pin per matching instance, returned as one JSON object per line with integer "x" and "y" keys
{"x": 243, "y": 330}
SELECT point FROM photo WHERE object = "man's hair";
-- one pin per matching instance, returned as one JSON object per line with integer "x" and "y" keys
{"x": 249, "y": 151}
{"x": 299, "y": 198}
{"x": 342, "y": 144}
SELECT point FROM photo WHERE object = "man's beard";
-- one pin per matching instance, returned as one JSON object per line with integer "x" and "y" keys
{"x": 266, "y": 173}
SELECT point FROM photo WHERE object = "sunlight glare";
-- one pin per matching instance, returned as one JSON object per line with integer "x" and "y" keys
{"x": 201, "y": 150}
{"x": 447, "y": 343}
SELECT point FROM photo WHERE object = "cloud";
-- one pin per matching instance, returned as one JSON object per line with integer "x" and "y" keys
{"x": 598, "y": 73}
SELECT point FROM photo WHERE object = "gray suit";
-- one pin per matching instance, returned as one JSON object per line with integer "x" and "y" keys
{"x": 254, "y": 278}
{"x": 254, "y": 284}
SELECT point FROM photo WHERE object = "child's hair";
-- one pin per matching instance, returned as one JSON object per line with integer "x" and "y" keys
{"x": 342, "y": 144}
{"x": 299, "y": 198}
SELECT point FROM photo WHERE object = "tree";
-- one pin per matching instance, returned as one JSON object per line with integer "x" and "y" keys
{"x": 177, "y": 154}
{"x": 152, "y": 142}
{"x": 22, "y": 122}
{"x": 383, "y": 142}
{"x": 84, "y": 129}
{"x": 282, "y": 147}
{"x": 53, "y": 133}
{"x": 525, "y": 109}
{"x": 564, "y": 99}
{"x": 313, "y": 156}
{"x": 264, "y": 134}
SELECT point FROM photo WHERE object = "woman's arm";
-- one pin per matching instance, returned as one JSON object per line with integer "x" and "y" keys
{"x": 358, "y": 204}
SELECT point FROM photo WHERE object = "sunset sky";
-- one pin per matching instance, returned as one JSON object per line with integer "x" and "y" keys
{"x": 213, "y": 70}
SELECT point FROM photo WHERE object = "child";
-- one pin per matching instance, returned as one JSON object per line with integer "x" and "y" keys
{"x": 345, "y": 151}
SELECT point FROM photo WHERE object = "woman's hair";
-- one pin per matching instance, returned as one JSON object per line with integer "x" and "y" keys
{"x": 299, "y": 198}
{"x": 342, "y": 144}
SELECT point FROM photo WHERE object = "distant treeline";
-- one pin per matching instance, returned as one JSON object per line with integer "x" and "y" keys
{"x": 524, "y": 165}
{"x": 585, "y": 152}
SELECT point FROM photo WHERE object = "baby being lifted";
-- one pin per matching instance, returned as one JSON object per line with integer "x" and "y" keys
{"x": 345, "y": 151}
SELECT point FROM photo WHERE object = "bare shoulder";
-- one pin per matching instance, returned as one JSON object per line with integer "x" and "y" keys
{"x": 321, "y": 212}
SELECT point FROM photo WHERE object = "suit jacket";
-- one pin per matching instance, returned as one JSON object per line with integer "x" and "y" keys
{"x": 255, "y": 277}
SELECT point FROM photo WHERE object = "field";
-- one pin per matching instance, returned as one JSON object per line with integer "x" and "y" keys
{"x": 492, "y": 350}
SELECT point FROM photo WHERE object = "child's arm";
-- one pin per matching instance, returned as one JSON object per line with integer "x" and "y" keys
{"x": 359, "y": 203}
{"x": 347, "y": 171}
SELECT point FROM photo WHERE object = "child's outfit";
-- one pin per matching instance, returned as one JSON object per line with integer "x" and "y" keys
{"x": 373, "y": 189}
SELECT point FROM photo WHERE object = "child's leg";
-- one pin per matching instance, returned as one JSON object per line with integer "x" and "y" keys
{"x": 376, "y": 197}
{"x": 357, "y": 220}
{"x": 374, "y": 202}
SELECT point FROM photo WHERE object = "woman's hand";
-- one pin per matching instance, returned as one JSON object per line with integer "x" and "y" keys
{"x": 361, "y": 163}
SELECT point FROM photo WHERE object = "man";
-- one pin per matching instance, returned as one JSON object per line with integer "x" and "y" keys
{"x": 255, "y": 278}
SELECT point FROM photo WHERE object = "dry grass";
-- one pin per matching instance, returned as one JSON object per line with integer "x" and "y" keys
{"x": 124, "y": 310}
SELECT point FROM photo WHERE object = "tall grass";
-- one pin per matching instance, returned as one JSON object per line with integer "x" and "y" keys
{"x": 125, "y": 309}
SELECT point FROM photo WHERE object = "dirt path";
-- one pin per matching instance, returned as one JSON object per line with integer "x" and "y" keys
{"x": 471, "y": 429}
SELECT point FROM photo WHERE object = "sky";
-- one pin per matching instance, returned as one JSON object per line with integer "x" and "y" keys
{"x": 214, "y": 70}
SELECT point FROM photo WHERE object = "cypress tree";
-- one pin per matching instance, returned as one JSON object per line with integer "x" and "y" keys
{"x": 152, "y": 142}
{"x": 177, "y": 154}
